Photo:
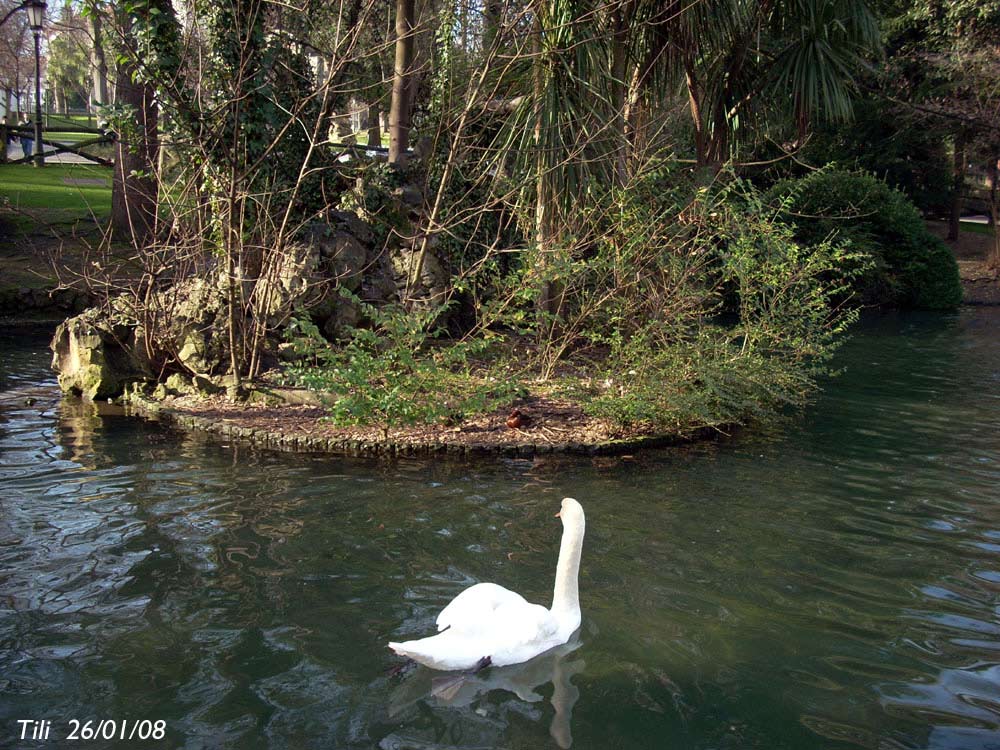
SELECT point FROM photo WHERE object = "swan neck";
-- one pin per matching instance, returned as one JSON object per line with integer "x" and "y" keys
{"x": 566, "y": 595}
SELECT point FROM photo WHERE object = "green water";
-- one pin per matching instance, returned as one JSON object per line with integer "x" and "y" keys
{"x": 832, "y": 583}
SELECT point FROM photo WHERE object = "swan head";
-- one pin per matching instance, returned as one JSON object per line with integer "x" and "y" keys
{"x": 571, "y": 512}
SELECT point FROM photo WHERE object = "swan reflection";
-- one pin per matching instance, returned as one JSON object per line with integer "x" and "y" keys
{"x": 460, "y": 690}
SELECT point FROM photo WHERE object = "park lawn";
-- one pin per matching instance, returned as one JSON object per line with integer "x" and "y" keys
{"x": 69, "y": 120}
{"x": 976, "y": 228}
{"x": 70, "y": 138}
{"x": 56, "y": 192}
{"x": 361, "y": 138}
{"x": 105, "y": 150}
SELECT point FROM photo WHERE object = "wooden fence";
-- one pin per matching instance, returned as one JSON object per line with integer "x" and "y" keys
{"x": 15, "y": 133}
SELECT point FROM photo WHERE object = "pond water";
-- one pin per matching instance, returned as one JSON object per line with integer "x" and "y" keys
{"x": 832, "y": 582}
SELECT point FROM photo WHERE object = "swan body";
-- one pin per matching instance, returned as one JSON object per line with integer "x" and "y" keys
{"x": 489, "y": 621}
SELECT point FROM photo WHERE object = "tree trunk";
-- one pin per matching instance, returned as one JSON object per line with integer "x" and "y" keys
{"x": 995, "y": 215}
{"x": 694, "y": 106}
{"x": 546, "y": 301}
{"x": 399, "y": 109}
{"x": 492, "y": 18}
{"x": 637, "y": 108}
{"x": 636, "y": 115}
{"x": 619, "y": 69}
{"x": 374, "y": 125}
{"x": 418, "y": 63}
{"x": 994, "y": 175}
{"x": 133, "y": 190}
{"x": 958, "y": 186}
{"x": 98, "y": 60}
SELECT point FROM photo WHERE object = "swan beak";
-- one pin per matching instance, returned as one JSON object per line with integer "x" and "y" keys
{"x": 558, "y": 515}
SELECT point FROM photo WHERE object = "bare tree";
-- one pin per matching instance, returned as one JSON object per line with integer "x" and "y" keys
{"x": 17, "y": 62}
{"x": 99, "y": 64}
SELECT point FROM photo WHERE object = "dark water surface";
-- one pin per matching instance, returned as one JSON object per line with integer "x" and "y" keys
{"x": 833, "y": 583}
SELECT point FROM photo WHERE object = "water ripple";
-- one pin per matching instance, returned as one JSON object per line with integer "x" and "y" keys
{"x": 832, "y": 583}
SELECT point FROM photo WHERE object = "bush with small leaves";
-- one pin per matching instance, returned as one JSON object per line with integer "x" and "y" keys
{"x": 912, "y": 267}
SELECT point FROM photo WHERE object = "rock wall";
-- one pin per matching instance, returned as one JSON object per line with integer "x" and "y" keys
{"x": 18, "y": 301}
{"x": 184, "y": 328}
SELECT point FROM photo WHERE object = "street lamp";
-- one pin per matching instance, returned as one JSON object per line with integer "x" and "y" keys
{"x": 36, "y": 17}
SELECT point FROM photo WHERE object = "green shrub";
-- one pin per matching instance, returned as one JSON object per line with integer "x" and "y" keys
{"x": 742, "y": 318}
{"x": 393, "y": 374}
{"x": 373, "y": 199}
{"x": 680, "y": 306}
{"x": 911, "y": 267}
{"x": 910, "y": 156}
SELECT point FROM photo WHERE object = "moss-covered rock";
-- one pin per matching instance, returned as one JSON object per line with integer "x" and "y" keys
{"x": 95, "y": 356}
{"x": 178, "y": 383}
{"x": 184, "y": 331}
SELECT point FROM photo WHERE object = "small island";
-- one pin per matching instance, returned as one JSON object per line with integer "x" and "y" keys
{"x": 321, "y": 322}
{"x": 509, "y": 274}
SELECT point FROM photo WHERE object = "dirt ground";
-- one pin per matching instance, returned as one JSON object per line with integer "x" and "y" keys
{"x": 43, "y": 273}
{"x": 550, "y": 425}
{"x": 980, "y": 282}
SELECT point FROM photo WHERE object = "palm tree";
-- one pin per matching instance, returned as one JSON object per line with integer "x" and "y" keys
{"x": 746, "y": 67}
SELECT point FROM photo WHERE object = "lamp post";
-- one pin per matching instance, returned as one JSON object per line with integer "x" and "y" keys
{"x": 36, "y": 17}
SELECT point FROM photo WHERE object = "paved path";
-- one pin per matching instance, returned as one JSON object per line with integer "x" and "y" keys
{"x": 14, "y": 152}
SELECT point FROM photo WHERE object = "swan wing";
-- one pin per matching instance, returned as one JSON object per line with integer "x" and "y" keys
{"x": 523, "y": 623}
{"x": 511, "y": 633}
{"x": 517, "y": 632}
{"x": 474, "y": 608}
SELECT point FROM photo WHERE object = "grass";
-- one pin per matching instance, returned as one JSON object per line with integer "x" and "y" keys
{"x": 975, "y": 228}
{"x": 50, "y": 187}
{"x": 105, "y": 150}
{"x": 50, "y": 193}
{"x": 64, "y": 120}
{"x": 361, "y": 138}
{"x": 33, "y": 203}
{"x": 70, "y": 138}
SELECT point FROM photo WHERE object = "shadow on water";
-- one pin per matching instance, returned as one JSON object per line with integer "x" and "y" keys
{"x": 830, "y": 584}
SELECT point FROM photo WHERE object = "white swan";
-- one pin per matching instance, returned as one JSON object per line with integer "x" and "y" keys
{"x": 487, "y": 624}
